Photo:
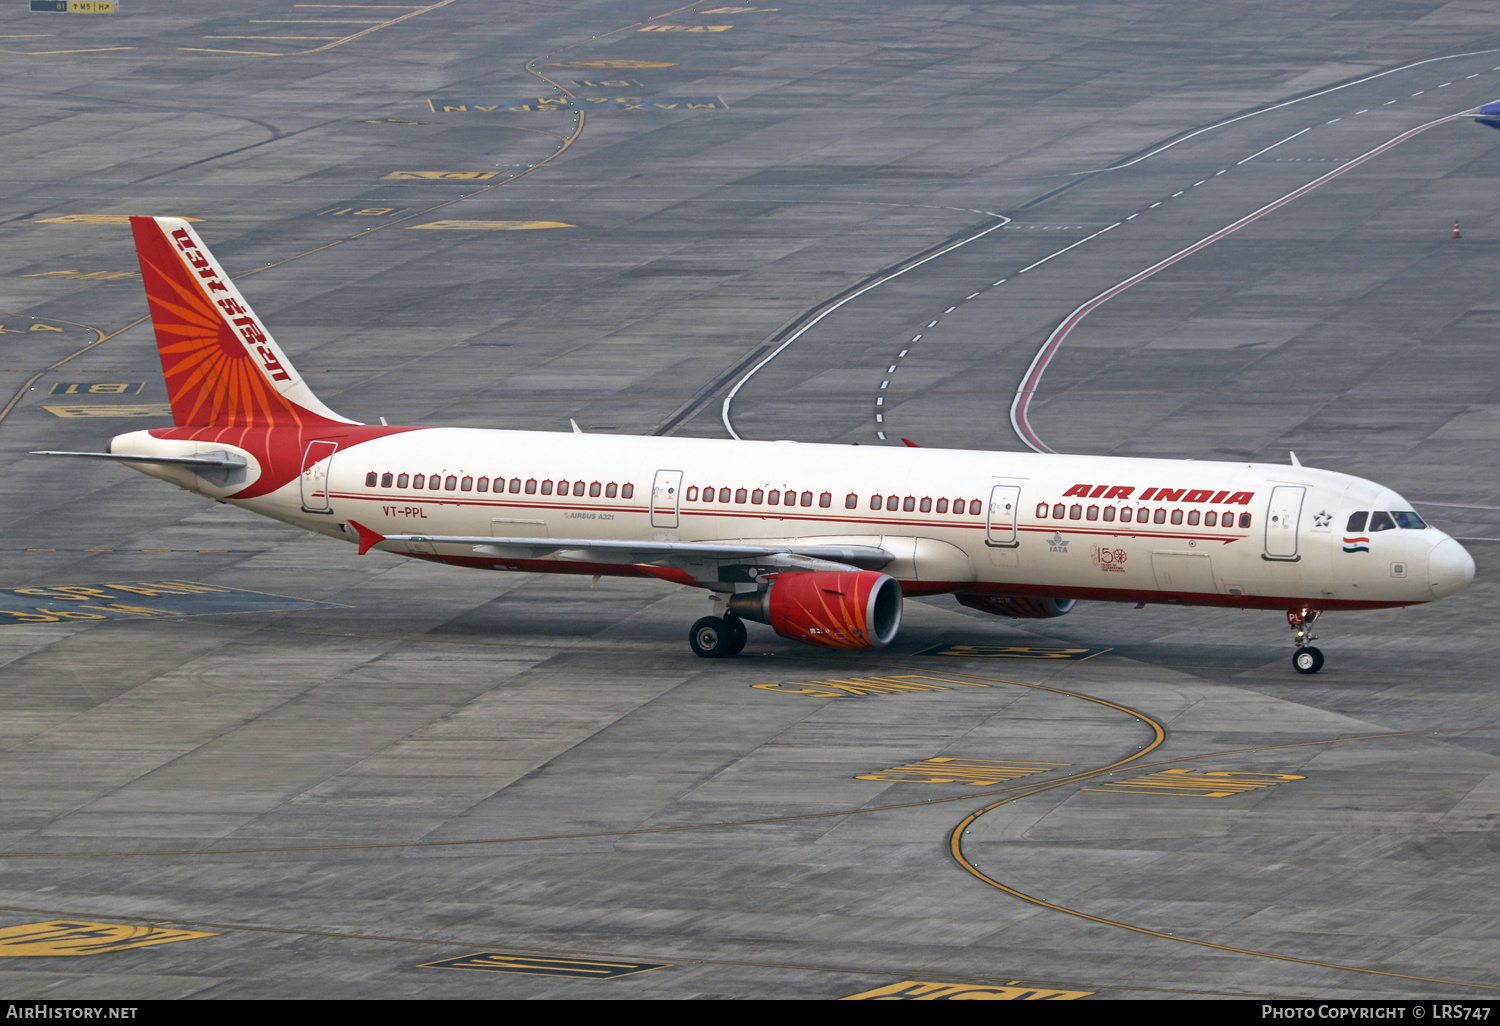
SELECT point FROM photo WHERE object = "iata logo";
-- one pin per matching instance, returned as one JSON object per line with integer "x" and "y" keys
{"x": 1057, "y": 543}
{"x": 1110, "y": 560}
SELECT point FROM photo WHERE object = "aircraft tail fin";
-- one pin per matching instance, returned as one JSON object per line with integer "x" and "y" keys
{"x": 222, "y": 366}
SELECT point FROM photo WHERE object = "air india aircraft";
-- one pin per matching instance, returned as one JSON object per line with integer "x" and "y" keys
{"x": 821, "y": 542}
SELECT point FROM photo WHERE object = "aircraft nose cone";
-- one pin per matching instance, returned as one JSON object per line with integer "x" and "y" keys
{"x": 1450, "y": 568}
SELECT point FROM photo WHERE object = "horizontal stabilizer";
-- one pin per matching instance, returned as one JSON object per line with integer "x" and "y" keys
{"x": 208, "y": 461}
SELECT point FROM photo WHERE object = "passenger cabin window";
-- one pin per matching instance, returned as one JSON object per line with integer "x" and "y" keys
{"x": 758, "y": 496}
{"x": 851, "y": 501}
{"x": 1193, "y": 518}
{"x": 1381, "y": 521}
{"x": 434, "y": 482}
{"x": 925, "y": 505}
{"x": 1408, "y": 520}
{"x": 1092, "y": 513}
{"x": 467, "y": 484}
{"x": 1160, "y": 517}
{"x": 975, "y": 506}
{"x": 419, "y": 481}
{"x": 892, "y": 502}
{"x": 692, "y": 493}
{"x": 740, "y": 495}
{"x": 627, "y": 490}
{"x": 452, "y": 483}
{"x": 942, "y": 506}
{"x": 1075, "y": 512}
{"x": 483, "y": 484}
{"x": 1177, "y": 516}
{"x": 723, "y": 494}
{"x": 1210, "y": 519}
{"x": 825, "y": 500}
{"x": 1244, "y": 519}
{"x": 876, "y": 501}
{"x": 1059, "y": 511}
{"x": 611, "y": 490}
{"x": 594, "y": 487}
{"x": 531, "y": 486}
{"x": 546, "y": 487}
{"x": 370, "y": 479}
{"x": 773, "y": 497}
{"x": 402, "y": 480}
{"x": 1124, "y": 514}
{"x": 1109, "y": 512}
{"x": 909, "y": 503}
{"x": 515, "y": 485}
{"x": 1358, "y": 520}
{"x": 385, "y": 480}
{"x": 807, "y": 498}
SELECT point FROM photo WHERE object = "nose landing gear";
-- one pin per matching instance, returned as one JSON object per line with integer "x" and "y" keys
{"x": 1306, "y": 659}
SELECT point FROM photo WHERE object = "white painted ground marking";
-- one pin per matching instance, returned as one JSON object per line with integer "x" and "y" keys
{"x": 729, "y": 399}
{"x": 1032, "y": 378}
{"x": 902, "y": 353}
{"x": 974, "y": 296}
{"x": 1060, "y": 252}
{"x": 1133, "y": 216}
{"x": 932, "y": 324}
{"x": 1271, "y": 147}
{"x": 1288, "y": 103}
{"x": 950, "y": 309}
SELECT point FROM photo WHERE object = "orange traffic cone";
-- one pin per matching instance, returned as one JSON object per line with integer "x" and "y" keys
{"x": 1456, "y": 234}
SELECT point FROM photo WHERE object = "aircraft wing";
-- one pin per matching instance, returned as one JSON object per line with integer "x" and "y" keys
{"x": 599, "y": 550}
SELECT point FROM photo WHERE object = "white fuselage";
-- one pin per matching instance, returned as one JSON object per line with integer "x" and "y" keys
{"x": 1233, "y": 534}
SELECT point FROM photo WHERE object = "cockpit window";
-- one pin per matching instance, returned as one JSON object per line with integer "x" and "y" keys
{"x": 1408, "y": 520}
{"x": 1381, "y": 521}
{"x": 1357, "y": 520}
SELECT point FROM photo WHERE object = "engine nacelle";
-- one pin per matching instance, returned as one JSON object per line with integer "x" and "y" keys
{"x": 1018, "y": 607}
{"x": 854, "y": 609}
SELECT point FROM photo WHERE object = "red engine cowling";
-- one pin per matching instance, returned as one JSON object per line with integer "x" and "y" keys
{"x": 854, "y": 609}
{"x": 1019, "y": 607}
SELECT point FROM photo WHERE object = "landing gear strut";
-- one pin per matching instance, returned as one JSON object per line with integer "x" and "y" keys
{"x": 715, "y": 637}
{"x": 1306, "y": 659}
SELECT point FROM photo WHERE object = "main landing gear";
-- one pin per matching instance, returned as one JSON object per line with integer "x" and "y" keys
{"x": 715, "y": 637}
{"x": 1306, "y": 659}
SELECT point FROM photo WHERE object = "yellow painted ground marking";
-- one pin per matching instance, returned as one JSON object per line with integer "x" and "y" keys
{"x": 99, "y": 219}
{"x": 740, "y": 10}
{"x": 1188, "y": 784}
{"x": 498, "y": 962}
{"x": 613, "y": 64}
{"x": 444, "y": 175}
{"x": 76, "y": 7}
{"x": 490, "y": 226}
{"x": 122, "y": 410}
{"x": 685, "y": 28}
{"x": 973, "y": 772}
{"x": 858, "y": 686}
{"x": 91, "y": 276}
{"x": 40, "y": 327}
{"x": 95, "y": 387}
{"x": 919, "y": 990}
{"x": 74, "y": 937}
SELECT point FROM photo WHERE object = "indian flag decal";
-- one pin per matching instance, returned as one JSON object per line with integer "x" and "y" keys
{"x": 1360, "y": 544}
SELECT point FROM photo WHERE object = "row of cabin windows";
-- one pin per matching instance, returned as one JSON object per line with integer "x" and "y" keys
{"x": 1140, "y": 516}
{"x": 451, "y": 483}
{"x": 774, "y": 497}
{"x": 1382, "y": 521}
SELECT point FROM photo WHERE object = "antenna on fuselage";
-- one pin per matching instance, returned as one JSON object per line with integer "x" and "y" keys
{"x": 1295, "y": 461}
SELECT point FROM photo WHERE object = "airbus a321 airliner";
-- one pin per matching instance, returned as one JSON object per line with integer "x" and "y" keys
{"x": 821, "y": 542}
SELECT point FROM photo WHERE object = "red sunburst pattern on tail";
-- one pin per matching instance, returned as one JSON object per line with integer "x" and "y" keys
{"x": 220, "y": 363}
